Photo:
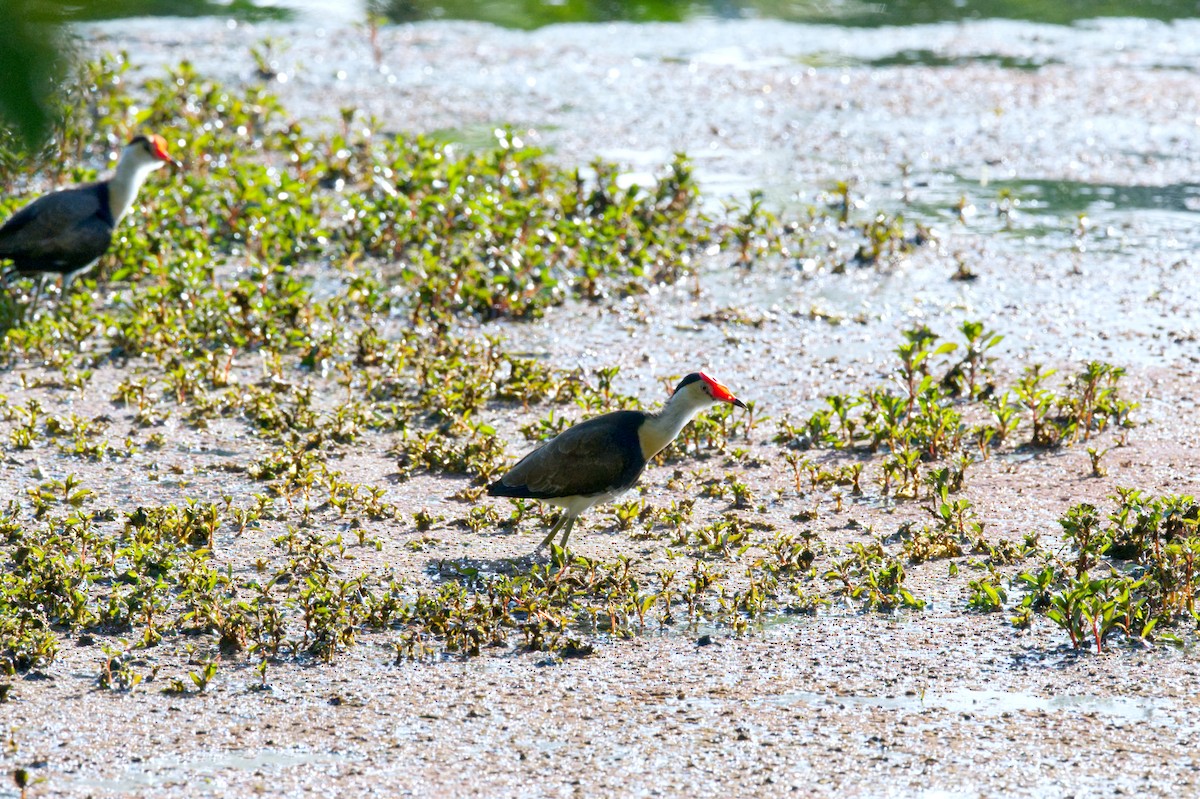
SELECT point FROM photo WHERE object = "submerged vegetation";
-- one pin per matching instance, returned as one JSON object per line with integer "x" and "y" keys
{"x": 299, "y": 302}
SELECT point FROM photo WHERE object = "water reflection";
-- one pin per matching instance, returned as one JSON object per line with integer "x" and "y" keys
{"x": 527, "y": 14}
{"x": 536, "y": 13}
{"x": 85, "y": 10}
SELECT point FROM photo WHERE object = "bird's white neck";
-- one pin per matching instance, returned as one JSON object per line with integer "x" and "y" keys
{"x": 661, "y": 428}
{"x": 123, "y": 188}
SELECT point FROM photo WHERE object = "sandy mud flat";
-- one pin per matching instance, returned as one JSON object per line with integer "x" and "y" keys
{"x": 1100, "y": 119}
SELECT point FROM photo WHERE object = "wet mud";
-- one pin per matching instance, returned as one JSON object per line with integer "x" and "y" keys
{"x": 1099, "y": 119}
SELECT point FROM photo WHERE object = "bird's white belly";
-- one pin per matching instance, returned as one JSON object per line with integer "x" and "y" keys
{"x": 577, "y": 504}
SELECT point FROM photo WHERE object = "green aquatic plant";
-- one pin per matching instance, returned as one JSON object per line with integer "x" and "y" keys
{"x": 987, "y": 595}
{"x": 869, "y": 574}
{"x": 943, "y": 386}
{"x": 1132, "y": 572}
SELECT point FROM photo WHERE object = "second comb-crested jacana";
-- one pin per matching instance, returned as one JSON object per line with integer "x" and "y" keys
{"x": 65, "y": 232}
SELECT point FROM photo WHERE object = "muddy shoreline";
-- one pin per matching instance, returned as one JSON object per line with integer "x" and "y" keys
{"x": 933, "y": 704}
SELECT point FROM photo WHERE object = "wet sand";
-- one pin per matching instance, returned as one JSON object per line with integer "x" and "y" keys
{"x": 939, "y": 703}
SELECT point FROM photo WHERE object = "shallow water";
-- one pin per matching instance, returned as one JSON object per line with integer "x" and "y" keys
{"x": 207, "y": 772}
{"x": 992, "y": 702}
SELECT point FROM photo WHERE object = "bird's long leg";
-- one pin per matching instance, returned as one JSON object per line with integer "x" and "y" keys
{"x": 567, "y": 532}
{"x": 37, "y": 293}
{"x": 554, "y": 528}
{"x": 7, "y": 277}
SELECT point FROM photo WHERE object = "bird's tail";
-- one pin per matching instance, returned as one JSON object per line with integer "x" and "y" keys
{"x": 499, "y": 489}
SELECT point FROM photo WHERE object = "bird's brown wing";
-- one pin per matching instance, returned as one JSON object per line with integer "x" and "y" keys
{"x": 67, "y": 226}
{"x": 583, "y": 460}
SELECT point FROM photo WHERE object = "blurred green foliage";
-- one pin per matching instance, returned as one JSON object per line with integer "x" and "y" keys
{"x": 34, "y": 55}
{"x": 29, "y": 60}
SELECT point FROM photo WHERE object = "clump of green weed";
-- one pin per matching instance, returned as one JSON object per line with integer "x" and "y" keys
{"x": 869, "y": 574}
{"x": 1131, "y": 573}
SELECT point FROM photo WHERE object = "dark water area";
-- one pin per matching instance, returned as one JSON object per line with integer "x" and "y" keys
{"x": 95, "y": 10}
{"x": 1068, "y": 197}
{"x": 531, "y": 14}
{"x": 536, "y": 13}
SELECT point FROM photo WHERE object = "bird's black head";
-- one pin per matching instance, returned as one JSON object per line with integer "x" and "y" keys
{"x": 708, "y": 387}
{"x": 694, "y": 377}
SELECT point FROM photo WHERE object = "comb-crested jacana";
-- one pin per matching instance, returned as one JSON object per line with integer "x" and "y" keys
{"x": 602, "y": 458}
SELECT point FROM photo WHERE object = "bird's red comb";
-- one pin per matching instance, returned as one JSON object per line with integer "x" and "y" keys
{"x": 159, "y": 145}
{"x": 719, "y": 392}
